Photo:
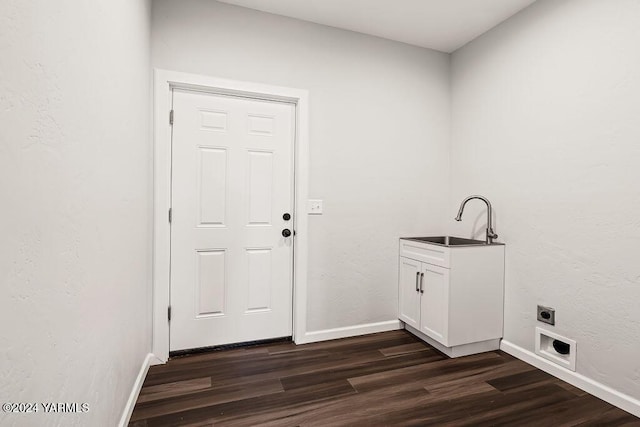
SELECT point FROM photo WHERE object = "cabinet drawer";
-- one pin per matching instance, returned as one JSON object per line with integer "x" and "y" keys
{"x": 424, "y": 252}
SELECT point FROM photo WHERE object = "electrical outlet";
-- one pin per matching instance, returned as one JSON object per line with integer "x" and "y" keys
{"x": 547, "y": 315}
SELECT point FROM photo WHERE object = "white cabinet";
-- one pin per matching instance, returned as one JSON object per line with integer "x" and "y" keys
{"x": 434, "y": 320}
{"x": 423, "y": 295}
{"x": 409, "y": 292}
{"x": 452, "y": 297}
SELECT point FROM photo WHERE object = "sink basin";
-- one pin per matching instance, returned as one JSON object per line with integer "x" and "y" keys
{"x": 448, "y": 241}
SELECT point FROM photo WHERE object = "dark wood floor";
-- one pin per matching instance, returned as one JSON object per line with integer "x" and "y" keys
{"x": 390, "y": 378}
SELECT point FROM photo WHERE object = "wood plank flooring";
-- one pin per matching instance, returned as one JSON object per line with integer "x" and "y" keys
{"x": 390, "y": 378}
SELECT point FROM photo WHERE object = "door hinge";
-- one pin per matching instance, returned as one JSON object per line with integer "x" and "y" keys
{"x": 169, "y": 313}
{"x": 171, "y": 117}
{"x": 170, "y": 215}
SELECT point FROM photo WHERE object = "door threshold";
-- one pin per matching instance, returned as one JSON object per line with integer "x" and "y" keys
{"x": 199, "y": 350}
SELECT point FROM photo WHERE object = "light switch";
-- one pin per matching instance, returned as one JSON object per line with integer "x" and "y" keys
{"x": 314, "y": 207}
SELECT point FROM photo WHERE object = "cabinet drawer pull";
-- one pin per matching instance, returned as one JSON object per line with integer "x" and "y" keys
{"x": 417, "y": 277}
{"x": 421, "y": 280}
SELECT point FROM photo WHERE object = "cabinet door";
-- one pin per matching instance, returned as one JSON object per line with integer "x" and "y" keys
{"x": 408, "y": 294}
{"x": 434, "y": 292}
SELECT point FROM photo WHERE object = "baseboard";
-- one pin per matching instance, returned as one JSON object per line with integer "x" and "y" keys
{"x": 137, "y": 386}
{"x": 348, "y": 331}
{"x": 595, "y": 388}
{"x": 155, "y": 360}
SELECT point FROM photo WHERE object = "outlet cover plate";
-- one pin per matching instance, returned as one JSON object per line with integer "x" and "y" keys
{"x": 544, "y": 348}
{"x": 314, "y": 207}
{"x": 547, "y": 315}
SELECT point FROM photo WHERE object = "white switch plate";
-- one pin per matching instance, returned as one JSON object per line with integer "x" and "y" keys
{"x": 314, "y": 207}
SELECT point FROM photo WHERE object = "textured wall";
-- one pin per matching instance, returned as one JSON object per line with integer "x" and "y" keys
{"x": 379, "y": 131}
{"x": 75, "y": 164}
{"x": 545, "y": 124}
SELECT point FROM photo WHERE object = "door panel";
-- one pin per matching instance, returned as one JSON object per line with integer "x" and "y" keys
{"x": 231, "y": 269}
{"x": 435, "y": 302}
{"x": 409, "y": 297}
{"x": 212, "y": 186}
{"x": 259, "y": 192}
{"x": 260, "y": 284}
{"x": 210, "y": 282}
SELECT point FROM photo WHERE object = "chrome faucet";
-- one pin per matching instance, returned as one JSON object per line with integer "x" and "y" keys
{"x": 490, "y": 233}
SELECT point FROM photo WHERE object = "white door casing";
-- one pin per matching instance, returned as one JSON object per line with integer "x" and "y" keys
{"x": 164, "y": 82}
{"x": 232, "y": 181}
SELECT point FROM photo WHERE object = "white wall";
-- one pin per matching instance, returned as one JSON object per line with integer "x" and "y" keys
{"x": 546, "y": 124}
{"x": 75, "y": 162}
{"x": 379, "y": 138}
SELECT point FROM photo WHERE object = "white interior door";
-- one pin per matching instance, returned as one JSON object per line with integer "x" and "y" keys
{"x": 232, "y": 183}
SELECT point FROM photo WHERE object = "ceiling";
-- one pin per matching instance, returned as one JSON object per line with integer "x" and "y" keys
{"x": 443, "y": 25}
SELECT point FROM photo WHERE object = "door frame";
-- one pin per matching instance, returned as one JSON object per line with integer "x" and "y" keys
{"x": 164, "y": 82}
